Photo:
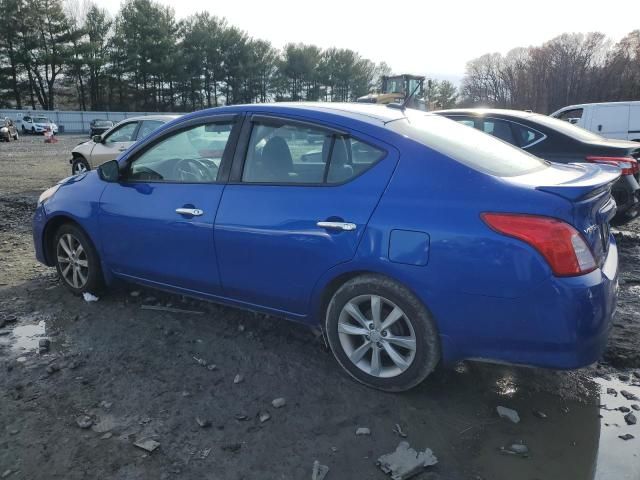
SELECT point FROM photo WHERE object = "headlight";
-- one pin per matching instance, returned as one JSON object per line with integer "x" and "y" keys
{"x": 4, "y": 129}
{"x": 47, "y": 194}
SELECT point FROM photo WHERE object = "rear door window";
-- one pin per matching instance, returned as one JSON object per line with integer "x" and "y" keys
{"x": 500, "y": 129}
{"x": 295, "y": 154}
{"x": 525, "y": 136}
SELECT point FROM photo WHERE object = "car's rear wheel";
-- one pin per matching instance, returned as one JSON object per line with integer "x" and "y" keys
{"x": 76, "y": 260}
{"x": 79, "y": 165}
{"x": 381, "y": 334}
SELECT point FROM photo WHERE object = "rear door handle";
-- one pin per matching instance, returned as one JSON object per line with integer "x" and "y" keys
{"x": 345, "y": 226}
{"x": 194, "y": 212}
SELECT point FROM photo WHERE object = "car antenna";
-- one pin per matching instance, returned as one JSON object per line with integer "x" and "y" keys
{"x": 404, "y": 104}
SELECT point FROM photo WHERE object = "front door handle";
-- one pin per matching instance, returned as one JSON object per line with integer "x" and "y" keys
{"x": 194, "y": 212}
{"x": 345, "y": 226}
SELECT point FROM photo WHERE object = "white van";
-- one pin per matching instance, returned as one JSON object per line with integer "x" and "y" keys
{"x": 612, "y": 119}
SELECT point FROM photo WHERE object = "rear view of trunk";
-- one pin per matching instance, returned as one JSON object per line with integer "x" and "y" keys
{"x": 588, "y": 188}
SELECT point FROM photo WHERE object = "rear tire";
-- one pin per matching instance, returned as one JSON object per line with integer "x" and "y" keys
{"x": 400, "y": 344}
{"x": 79, "y": 165}
{"x": 76, "y": 260}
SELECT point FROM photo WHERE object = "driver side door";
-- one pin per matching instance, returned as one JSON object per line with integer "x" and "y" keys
{"x": 157, "y": 221}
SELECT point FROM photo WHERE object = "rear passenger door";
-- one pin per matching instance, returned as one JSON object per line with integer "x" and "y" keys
{"x": 298, "y": 201}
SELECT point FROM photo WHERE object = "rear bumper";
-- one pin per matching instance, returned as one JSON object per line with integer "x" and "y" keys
{"x": 564, "y": 323}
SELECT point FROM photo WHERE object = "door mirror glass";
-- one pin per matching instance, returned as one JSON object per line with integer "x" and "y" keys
{"x": 97, "y": 138}
{"x": 110, "y": 171}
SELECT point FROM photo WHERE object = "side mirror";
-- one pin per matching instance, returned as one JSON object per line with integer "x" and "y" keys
{"x": 110, "y": 171}
{"x": 97, "y": 138}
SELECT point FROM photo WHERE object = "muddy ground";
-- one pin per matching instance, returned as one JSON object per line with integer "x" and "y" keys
{"x": 131, "y": 374}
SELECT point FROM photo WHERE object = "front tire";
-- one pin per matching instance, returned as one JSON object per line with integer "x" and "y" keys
{"x": 76, "y": 260}
{"x": 381, "y": 334}
{"x": 16, "y": 136}
{"x": 79, "y": 165}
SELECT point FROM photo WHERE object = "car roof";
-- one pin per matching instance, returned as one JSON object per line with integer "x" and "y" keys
{"x": 482, "y": 112}
{"x": 164, "y": 118}
{"x": 600, "y": 104}
{"x": 365, "y": 112}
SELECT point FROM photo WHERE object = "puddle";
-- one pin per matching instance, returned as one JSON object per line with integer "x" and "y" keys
{"x": 572, "y": 442}
{"x": 617, "y": 459}
{"x": 24, "y": 338}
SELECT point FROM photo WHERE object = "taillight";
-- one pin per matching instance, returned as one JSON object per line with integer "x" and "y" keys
{"x": 629, "y": 165}
{"x": 562, "y": 246}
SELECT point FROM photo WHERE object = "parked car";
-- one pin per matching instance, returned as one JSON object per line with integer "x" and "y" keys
{"x": 36, "y": 124}
{"x": 98, "y": 127}
{"x": 102, "y": 148}
{"x": 560, "y": 142}
{"x": 619, "y": 120}
{"x": 410, "y": 240}
{"x": 8, "y": 130}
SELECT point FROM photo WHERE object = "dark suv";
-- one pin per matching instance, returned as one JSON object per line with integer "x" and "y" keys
{"x": 98, "y": 127}
{"x": 561, "y": 142}
{"x": 8, "y": 130}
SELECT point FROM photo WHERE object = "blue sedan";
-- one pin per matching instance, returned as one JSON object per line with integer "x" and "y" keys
{"x": 409, "y": 239}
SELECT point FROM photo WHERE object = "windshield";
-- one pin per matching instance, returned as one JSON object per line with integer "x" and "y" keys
{"x": 41, "y": 120}
{"x": 567, "y": 128}
{"x": 467, "y": 145}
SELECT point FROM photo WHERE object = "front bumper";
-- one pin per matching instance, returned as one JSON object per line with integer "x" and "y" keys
{"x": 38, "y": 226}
{"x": 563, "y": 323}
{"x": 39, "y": 129}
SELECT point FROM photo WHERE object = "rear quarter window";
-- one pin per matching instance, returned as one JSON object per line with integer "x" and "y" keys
{"x": 468, "y": 146}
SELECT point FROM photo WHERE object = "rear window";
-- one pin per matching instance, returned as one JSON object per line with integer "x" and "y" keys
{"x": 468, "y": 146}
{"x": 565, "y": 127}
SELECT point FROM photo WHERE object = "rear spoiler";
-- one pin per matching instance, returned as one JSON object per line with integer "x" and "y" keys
{"x": 595, "y": 180}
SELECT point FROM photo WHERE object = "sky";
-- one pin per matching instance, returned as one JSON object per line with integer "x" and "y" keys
{"x": 433, "y": 38}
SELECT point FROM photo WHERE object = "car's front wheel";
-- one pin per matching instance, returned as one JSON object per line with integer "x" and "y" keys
{"x": 381, "y": 334}
{"x": 79, "y": 165}
{"x": 16, "y": 136}
{"x": 76, "y": 260}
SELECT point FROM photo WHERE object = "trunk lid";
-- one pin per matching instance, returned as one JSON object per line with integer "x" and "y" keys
{"x": 588, "y": 188}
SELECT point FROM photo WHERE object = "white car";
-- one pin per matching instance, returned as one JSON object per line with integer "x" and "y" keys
{"x": 619, "y": 120}
{"x": 36, "y": 124}
{"x": 109, "y": 145}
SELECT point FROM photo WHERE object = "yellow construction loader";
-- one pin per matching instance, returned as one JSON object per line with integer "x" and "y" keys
{"x": 396, "y": 89}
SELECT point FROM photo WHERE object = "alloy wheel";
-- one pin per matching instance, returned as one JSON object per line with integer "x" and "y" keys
{"x": 73, "y": 261}
{"x": 376, "y": 336}
{"x": 79, "y": 167}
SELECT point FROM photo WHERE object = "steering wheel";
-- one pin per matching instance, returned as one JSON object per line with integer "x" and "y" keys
{"x": 192, "y": 170}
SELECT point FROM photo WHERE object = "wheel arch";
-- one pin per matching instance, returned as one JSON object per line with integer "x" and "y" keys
{"x": 49, "y": 234}
{"x": 330, "y": 285}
